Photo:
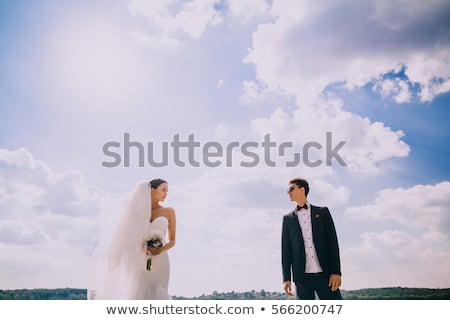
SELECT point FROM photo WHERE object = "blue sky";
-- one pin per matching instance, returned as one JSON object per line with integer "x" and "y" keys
{"x": 76, "y": 75}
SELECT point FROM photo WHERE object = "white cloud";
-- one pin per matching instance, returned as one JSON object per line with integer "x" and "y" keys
{"x": 328, "y": 194}
{"x": 396, "y": 258}
{"x": 386, "y": 87}
{"x": 171, "y": 20}
{"x": 253, "y": 91}
{"x": 15, "y": 232}
{"x": 417, "y": 240}
{"x": 22, "y": 159}
{"x": 424, "y": 207}
{"x": 431, "y": 69}
{"x": 311, "y": 45}
{"x": 366, "y": 144}
{"x": 399, "y": 14}
{"x": 49, "y": 223}
{"x": 303, "y": 52}
{"x": 397, "y": 88}
{"x": 403, "y": 92}
{"x": 246, "y": 10}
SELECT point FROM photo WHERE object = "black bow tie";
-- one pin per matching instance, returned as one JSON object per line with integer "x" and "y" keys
{"x": 305, "y": 206}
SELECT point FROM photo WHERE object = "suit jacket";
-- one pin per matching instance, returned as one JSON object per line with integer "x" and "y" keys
{"x": 325, "y": 241}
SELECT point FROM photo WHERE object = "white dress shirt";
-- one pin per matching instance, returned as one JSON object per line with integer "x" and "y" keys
{"x": 304, "y": 219}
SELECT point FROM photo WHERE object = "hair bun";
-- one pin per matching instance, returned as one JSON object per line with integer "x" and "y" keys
{"x": 155, "y": 183}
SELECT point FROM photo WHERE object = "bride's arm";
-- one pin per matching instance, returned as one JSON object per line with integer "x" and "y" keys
{"x": 171, "y": 232}
{"x": 172, "y": 229}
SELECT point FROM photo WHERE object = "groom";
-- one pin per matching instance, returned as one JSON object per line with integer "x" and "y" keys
{"x": 310, "y": 248}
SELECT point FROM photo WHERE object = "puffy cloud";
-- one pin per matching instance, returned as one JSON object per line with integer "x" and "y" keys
{"x": 400, "y": 14}
{"x": 246, "y": 10}
{"x": 49, "y": 222}
{"x": 172, "y": 20}
{"x": 396, "y": 258}
{"x": 425, "y": 207}
{"x": 307, "y": 52}
{"x": 306, "y": 49}
{"x": 416, "y": 239}
{"x": 328, "y": 194}
{"x": 365, "y": 144}
{"x": 398, "y": 89}
{"x": 253, "y": 91}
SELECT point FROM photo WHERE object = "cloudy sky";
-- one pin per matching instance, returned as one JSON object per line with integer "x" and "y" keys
{"x": 364, "y": 85}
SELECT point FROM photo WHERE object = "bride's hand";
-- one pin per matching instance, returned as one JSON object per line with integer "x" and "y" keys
{"x": 156, "y": 251}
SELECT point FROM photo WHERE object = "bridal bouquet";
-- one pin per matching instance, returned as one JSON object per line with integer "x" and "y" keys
{"x": 153, "y": 241}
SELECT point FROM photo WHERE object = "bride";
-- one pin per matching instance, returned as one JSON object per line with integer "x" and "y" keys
{"x": 129, "y": 267}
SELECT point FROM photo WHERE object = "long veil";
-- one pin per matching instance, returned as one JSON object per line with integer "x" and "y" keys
{"x": 118, "y": 260}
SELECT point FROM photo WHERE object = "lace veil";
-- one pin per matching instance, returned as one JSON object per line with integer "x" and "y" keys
{"x": 118, "y": 260}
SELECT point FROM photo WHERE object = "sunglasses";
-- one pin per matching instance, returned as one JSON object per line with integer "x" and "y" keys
{"x": 292, "y": 188}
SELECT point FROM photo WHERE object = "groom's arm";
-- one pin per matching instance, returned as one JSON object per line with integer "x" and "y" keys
{"x": 286, "y": 257}
{"x": 286, "y": 250}
{"x": 332, "y": 244}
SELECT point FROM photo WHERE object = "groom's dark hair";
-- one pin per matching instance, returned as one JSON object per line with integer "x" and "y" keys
{"x": 301, "y": 183}
{"x": 155, "y": 183}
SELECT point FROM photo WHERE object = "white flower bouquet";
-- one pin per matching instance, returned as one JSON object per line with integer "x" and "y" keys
{"x": 153, "y": 241}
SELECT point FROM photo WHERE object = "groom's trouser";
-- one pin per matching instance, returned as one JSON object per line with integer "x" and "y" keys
{"x": 316, "y": 283}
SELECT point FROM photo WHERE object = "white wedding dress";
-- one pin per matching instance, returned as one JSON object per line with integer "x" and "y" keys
{"x": 118, "y": 268}
{"x": 154, "y": 282}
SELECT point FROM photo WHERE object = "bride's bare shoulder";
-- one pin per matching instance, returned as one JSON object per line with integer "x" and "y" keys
{"x": 170, "y": 210}
{"x": 167, "y": 211}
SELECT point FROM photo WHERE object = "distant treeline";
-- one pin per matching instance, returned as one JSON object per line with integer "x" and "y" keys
{"x": 395, "y": 293}
{"x": 398, "y": 293}
{"x": 44, "y": 294}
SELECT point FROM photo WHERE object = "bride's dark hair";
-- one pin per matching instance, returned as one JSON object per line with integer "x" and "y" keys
{"x": 155, "y": 183}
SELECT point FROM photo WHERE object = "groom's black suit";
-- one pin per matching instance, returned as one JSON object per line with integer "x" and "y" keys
{"x": 325, "y": 242}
